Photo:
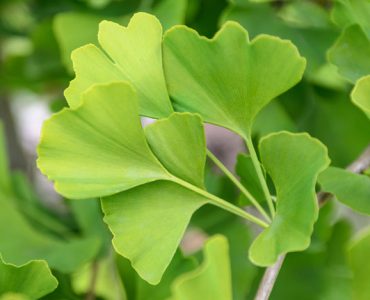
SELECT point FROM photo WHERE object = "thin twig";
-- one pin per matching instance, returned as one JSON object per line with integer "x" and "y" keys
{"x": 269, "y": 278}
{"x": 15, "y": 151}
{"x": 237, "y": 183}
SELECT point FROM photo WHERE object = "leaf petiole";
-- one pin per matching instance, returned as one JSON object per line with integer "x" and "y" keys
{"x": 237, "y": 183}
{"x": 220, "y": 202}
{"x": 261, "y": 178}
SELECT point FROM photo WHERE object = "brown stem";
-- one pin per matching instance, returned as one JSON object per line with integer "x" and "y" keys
{"x": 94, "y": 274}
{"x": 269, "y": 278}
{"x": 15, "y": 151}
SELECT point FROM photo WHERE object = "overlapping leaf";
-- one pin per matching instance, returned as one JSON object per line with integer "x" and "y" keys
{"x": 351, "y": 189}
{"x": 98, "y": 149}
{"x": 361, "y": 94}
{"x": 168, "y": 145}
{"x": 148, "y": 223}
{"x": 152, "y": 183}
{"x": 31, "y": 281}
{"x": 293, "y": 161}
{"x": 132, "y": 53}
{"x": 228, "y": 79}
{"x": 110, "y": 156}
{"x": 212, "y": 280}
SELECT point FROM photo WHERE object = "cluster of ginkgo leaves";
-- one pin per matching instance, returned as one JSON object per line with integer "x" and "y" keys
{"x": 151, "y": 180}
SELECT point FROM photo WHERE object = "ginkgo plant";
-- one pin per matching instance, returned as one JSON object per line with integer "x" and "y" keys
{"x": 153, "y": 211}
{"x": 151, "y": 180}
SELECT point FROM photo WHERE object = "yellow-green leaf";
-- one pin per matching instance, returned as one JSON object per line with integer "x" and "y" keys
{"x": 132, "y": 53}
{"x": 228, "y": 79}
{"x": 99, "y": 148}
{"x": 30, "y": 281}
{"x": 293, "y": 161}
{"x": 212, "y": 280}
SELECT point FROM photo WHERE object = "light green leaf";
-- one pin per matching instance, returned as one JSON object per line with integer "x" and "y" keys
{"x": 148, "y": 223}
{"x": 228, "y": 79}
{"x": 133, "y": 53}
{"x": 239, "y": 236}
{"x": 32, "y": 280}
{"x": 351, "y": 53}
{"x": 14, "y": 296}
{"x": 212, "y": 280}
{"x": 361, "y": 94}
{"x": 351, "y": 189}
{"x": 138, "y": 289}
{"x": 293, "y": 161}
{"x": 179, "y": 144}
{"x": 360, "y": 265}
{"x": 109, "y": 155}
{"x": 98, "y": 148}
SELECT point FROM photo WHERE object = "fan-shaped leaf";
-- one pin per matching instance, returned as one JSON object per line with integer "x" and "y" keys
{"x": 212, "y": 280}
{"x": 179, "y": 143}
{"x": 32, "y": 280}
{"x": 228, "y": 79}
{"x": 293, "y": 162}
{"x": 98, "y": 148}
{"x": 133, "y": 53}
{"x": 148, "y": 223}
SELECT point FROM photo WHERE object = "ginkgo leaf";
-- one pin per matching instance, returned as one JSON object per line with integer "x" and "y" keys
{"x": 32, "y": 280}
{"x": 351, "y": 53}
{"x": 293, "y": 161}
{"x": 212, "y": 280}
{"x": 132, "y": 53}
{"x": 148, "y": 223}
{"x": 228, "y": 79}
{"x": 351, "y": 189}
{"x": 99, "y": 148}
{"x": 179, "y": 144}
{"x": 361, "y": 94}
